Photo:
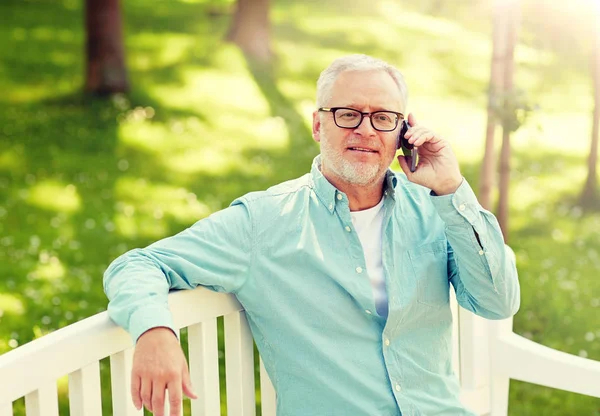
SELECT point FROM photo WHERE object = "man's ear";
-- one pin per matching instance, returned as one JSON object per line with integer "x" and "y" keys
{"x": 316, "y": 126}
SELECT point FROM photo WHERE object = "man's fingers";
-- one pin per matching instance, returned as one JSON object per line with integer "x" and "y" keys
{"x": 423, "y": 137}
{"x": 413, "y": 131}
{"x": 415, "y": 134}
{"x": 158, "y": 399}
{"x": 146, "y": 393}
{"x": 412, "y": 120}
{"x": 188, "y": 389}
{"x": 135, "y": 391}
{"x": 174, "y": 388}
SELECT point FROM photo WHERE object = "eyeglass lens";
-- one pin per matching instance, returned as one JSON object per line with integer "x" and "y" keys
{"x": 380, "y": 120}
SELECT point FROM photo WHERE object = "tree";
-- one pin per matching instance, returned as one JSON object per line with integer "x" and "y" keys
{"x": 250, "y": 29}
{"x": 502, "y": 106}
{"x": 488, "y": 166}
{"x": 105, "y": 72}
{"x": 509, "y": 112}
{"x": 589, "y": 196}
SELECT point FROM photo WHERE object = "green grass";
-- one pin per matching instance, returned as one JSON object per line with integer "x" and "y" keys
{"x": 82, "y": 180}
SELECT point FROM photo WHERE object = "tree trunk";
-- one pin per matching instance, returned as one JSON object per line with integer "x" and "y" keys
{"x": 105, "y": 72}
{"x": 509, "y": 63}
{"x": 488, "y": 166}
{"x": 589, "y": 196}
{"x": 250, "y": 29}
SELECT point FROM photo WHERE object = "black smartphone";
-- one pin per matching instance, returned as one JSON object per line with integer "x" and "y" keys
{"x": 411, "y": 153}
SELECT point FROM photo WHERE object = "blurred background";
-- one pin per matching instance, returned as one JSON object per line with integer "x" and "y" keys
{"x": 130, "y": 122}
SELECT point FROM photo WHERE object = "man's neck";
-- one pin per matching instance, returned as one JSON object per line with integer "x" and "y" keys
{"x": 360, "y": 197}
{"x": 364, "y": 199}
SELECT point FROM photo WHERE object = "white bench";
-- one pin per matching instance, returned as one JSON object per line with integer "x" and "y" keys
{"x": 487, "y": 355}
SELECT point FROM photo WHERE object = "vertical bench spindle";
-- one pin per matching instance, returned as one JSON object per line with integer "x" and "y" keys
{"x": 120, "y": 369}
{"x": 239, "y": 365}
{"x": 204, "y": 368}
{"x": 43, "y": 401}
{"x": 85, "y": 395}
{"x": 268, "y": 400}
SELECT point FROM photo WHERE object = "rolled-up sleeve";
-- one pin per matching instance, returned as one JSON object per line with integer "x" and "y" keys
{"x": 216, "y": 252}
{"x": 481, "y": 267}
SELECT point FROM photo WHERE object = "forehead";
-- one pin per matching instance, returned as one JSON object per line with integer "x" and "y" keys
{"x": 373, "y": 89}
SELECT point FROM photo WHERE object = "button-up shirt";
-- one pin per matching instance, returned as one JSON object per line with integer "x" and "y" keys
{"x": 287, "y": 255}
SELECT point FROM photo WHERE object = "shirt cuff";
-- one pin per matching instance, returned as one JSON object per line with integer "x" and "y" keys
{"x": 148, "y": 317}
{"x": 458, "y": 208}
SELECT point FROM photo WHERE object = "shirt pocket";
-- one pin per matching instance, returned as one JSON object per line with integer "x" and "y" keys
{"x": 430, "y": 267}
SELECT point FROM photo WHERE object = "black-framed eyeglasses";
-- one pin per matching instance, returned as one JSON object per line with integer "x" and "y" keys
{"x": 350, "y": 118}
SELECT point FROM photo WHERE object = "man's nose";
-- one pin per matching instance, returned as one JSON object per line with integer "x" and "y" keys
{"x": 365, "y": 127}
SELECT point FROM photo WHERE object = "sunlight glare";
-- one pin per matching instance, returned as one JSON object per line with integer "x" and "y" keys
{"x": 56, "y": 196}
{"x": 50, "y": 271}
{"x": 10, "y": 304}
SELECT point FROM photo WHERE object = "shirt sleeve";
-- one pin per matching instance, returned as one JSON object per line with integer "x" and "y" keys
{"x": 216, "y": 252}
{"x": 481, "y": 267}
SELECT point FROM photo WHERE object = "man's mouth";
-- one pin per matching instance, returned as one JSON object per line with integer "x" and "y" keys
{"x": 362, "y": 149}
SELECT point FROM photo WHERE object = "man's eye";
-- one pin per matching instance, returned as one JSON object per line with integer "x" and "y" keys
{"x": 349, "y": 114}
{"x": 384, "y": 117}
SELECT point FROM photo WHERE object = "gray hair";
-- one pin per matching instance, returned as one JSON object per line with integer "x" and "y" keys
{"x": 355, "y": 63}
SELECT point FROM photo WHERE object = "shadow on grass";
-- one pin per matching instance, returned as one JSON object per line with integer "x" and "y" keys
{"x": 52, "y": 258}
{"x": 301, "y": 147}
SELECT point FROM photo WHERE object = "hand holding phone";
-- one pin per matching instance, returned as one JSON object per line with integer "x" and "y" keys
{"x": 411, "y": 153}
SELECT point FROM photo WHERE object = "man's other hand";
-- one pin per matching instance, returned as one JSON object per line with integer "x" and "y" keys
{"x": 159, "y": 365}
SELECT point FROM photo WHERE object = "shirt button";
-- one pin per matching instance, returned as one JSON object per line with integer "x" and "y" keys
{"x": 359, "y": 269}
{"x": 368, "y": 311}
{"x": 348, "y": 228}
{"x": 481, "y": 252}
{"x": 330, "y": 206}
{"x": 398, "y": 388}
{"x": 339, "y": 197}
{"x": 387, "y": 342}
{"x": 462, "y": 207}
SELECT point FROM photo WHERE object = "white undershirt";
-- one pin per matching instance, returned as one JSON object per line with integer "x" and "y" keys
{"x": 368, "y": 224}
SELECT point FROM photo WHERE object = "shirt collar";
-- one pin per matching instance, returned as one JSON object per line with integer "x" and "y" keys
{"x": 328, "y": 193}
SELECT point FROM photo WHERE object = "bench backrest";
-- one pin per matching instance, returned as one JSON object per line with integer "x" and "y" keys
{"x": 33, "y": 369}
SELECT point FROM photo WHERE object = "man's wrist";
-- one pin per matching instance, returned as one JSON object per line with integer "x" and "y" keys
{"x": 447, "y": 188}
{"x": 161, "y": 329}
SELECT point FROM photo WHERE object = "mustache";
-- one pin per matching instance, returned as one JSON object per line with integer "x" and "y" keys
{"x": 371, "y": 144}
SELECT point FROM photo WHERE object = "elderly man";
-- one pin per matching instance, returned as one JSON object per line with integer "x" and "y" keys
{"x": 344, "y": 273}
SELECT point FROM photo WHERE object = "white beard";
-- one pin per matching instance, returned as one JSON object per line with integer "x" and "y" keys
{"x": 356, "y": 173}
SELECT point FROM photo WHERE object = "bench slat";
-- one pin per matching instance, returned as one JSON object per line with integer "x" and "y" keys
{"x": 239, "y": 365}
{"x": 522, "y": 359}
{"x": 85, "y": 395}
{"x": 120, "y": 369}
{"x": 268, "y": 399}
{"x": 43, "y": 401}
{"x": 93, "y": 339}
{"x": 474, "y": 351}
{"x": 204, "y": 368}
{"x": 6, "y": 410}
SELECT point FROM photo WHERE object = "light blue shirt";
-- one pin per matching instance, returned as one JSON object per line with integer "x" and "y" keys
{"x": 291, "y": 257}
